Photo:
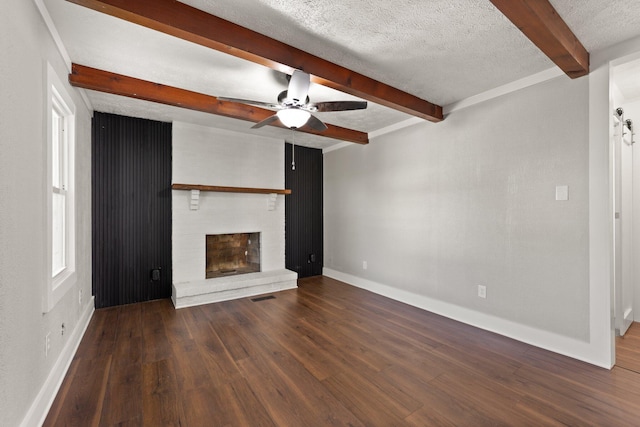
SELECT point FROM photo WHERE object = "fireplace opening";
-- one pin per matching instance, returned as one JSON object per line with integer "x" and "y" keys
{"x": 231, "y": 254}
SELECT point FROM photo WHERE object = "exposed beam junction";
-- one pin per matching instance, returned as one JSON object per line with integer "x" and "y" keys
{"x": 118, "y": 84}
{"x": 188, "y": 23}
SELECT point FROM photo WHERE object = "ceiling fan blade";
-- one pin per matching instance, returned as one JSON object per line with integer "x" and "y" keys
{"x": 316, "y": 123}
{"x": 250, "y": 102}
{"x": 298, "y": 87}
{"x": 323, "y": 107}
{"x": 265, "y": 122}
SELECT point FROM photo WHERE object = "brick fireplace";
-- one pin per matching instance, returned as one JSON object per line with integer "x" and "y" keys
{"x": 230, "y": 254}
{"x": 214, "y": 157}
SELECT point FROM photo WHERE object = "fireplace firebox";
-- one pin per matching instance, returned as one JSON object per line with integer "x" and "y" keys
{"x": 231, "y": 254}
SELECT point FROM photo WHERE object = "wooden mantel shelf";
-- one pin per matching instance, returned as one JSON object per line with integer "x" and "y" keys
{"x": 229, "y": 189}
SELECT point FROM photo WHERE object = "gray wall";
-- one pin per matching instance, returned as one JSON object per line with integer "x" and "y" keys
{"x": 632, "y": 111}
{"x": 26, "y": 46}
{"x": 437, "y": 209}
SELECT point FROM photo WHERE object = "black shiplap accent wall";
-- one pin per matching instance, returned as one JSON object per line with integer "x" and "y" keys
{"x": 303, "y": 212}
{"x": 131, "y": 202}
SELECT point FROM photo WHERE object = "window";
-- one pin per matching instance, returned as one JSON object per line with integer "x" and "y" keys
{"x": 59, "y": 186}
{"x": 61, "y": 206}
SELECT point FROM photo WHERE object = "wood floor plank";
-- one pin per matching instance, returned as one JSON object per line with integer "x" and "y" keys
{"x": 480, "y": 360}
{"x": 387, "y": 341}
{"x": 322, "y": 352}
{"x": 360, "y": 395}
{"x": 84, "y": 399}
{"x": 161, "y": 405}
{"x": 129, "y": 321}
{"x": 290, "y": 393}
{"x": 292, "y": 397}
{"x": 128, "y": 348}
{"x": 619, "y": 385}
{"x": 214, "y": 355}
{"x": 175, "y": 326}
{"x": 433, "y": 330}
{"x": 490, "y": 399}
{"x": 226, "y": 405}
{"x": 199, "y": 356}
{"x": 441, "y": 408}
{"x": 61, "y": 398}
{"x": 410, "y": 379}
{"x": 315, "y": 356}
{"x": 628, "y": 349}
{"x": 328, "y": 354}
{"x": 356, "y": 351}
{"x": 584, "y": 400}
{"x": 123, "y": 397}
{"x": 101, "y": 342}
{"x": 190, "y": 366}
{"x": 236, "y": 345}
{"x": 156, "y": 345}
{"x": 426, "y": 417}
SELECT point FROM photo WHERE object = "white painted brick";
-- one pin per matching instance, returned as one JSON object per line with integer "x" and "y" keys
{"x": 210, "y": 156}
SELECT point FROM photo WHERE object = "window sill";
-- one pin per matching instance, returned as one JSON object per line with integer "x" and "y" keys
{"x": 58, "y": 288}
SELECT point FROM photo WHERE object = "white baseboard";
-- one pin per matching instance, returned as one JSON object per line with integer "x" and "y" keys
{"x": 556, "y": 343}
{"x": 626, "y": 321}
{"x": 43, "y": 401}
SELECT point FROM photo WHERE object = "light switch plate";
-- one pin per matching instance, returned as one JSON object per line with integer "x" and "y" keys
{"x": 562, "y": 192}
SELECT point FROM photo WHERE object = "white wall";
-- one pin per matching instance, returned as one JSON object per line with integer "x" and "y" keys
{"x": 436, "y": 210}
{"x": 632, "y": 111}
{"x": 25, "y": 373}
{"x": 623, "y": 207}
{"x": 209, "y": 156}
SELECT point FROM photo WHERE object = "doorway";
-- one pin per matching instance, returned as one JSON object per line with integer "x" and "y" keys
{"x": 625, "y": 95}
{"x": 623, "y": 221}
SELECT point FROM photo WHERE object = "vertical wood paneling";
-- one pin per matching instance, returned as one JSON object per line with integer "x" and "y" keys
{"x": 303, "y": 211}
{"x": 131, "y": 185}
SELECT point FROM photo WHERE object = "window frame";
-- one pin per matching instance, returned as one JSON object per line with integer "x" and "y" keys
{"x": 57, "y": 97}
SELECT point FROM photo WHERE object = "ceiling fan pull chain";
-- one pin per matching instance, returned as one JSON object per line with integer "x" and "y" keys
{"x": 293, "y": 149}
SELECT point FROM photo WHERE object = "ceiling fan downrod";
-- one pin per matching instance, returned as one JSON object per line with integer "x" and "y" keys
{"x": 293, "y": 149}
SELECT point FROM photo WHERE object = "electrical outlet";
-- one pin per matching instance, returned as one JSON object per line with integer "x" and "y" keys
{"x": 364, "y": 265}
{"x": 47, "y": 344}
{"x": 80, "y": 297}
{"x": 62, "y": 330}
{"x": 482, "y": 291}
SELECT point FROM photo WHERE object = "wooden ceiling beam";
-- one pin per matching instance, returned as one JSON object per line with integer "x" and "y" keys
{"x": 118, "y": 84}
{"x": 542, "y": 24}
{"x": 188, "y": 23}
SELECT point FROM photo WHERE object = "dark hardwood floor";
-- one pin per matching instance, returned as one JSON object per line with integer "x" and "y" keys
{"x": 628, "y": 349}
{"x": 325, "y": 354}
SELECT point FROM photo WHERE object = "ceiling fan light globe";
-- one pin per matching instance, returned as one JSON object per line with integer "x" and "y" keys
{"x": 293, "y": 117}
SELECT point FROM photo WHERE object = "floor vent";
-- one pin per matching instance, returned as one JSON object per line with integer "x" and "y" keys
{"x": 262, "y": 298}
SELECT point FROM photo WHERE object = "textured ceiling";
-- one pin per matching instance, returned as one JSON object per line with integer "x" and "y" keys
{"x": 627, "y": 79}
{"x": 600, "y": 24}
{"x": 440, "y": 50}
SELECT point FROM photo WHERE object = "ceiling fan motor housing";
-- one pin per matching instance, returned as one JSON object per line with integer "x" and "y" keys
{"x": 287, "y": 102}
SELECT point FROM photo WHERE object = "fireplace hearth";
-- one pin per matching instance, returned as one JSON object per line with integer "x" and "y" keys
{"x": 232, "y": 254}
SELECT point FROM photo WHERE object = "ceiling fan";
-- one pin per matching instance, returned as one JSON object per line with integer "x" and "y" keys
{"x": 293, "y": 107}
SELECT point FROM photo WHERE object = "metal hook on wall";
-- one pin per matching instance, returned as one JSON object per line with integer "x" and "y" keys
{"x": 629, "y": 124}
